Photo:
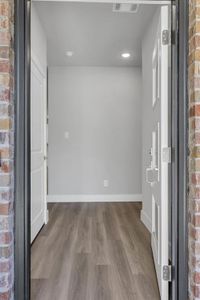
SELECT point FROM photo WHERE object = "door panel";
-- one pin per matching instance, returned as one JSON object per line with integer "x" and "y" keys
{"x": 37, "y": 149}
{"x": 158, "y": 172}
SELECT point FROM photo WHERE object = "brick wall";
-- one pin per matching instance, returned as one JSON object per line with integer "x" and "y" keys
{"x": 6, "y": 149}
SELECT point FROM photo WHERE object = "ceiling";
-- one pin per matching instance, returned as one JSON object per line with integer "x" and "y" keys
{"x": 96, "y": 35}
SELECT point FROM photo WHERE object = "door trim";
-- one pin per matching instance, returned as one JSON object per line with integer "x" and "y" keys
{"x": 112, "y": 1}
{"x": 179, "y": 286}
{"x": 22, "y": 150}
{"x": 179, "y": 208}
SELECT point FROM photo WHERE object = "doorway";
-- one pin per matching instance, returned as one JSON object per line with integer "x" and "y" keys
{"x": 105, "y": 77}
{"x": 152, "y": 171}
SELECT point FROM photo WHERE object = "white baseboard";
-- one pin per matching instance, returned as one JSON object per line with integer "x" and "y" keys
{"x": 93, "y": 198}
{"x": 146, "y": 220}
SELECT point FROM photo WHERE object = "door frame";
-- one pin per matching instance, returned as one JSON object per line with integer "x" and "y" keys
{"x": 179, "y": 229}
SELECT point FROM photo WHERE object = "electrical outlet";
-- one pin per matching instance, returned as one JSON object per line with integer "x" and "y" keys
{"x": 106, "y": 183}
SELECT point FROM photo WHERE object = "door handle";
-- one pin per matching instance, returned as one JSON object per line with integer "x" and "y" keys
{"x": 149, "y": 175}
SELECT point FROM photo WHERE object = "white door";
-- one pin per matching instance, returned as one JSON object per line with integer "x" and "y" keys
{"x": 38, "y": 148}
{"x": 158, "y": 172}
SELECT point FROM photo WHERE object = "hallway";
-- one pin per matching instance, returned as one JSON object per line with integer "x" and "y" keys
{"x": 93, "y": 251}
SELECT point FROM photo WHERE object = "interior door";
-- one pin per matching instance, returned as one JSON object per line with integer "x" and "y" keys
{"x": 158, "y": 172}
{"x": 38, "y": 162}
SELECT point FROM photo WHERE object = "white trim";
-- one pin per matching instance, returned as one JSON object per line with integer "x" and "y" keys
{"x": 146, "y": 220}
{"x": 112, "y": 1}
{"x": 94, "y": 198}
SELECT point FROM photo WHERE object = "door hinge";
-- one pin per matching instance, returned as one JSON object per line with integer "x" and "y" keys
{"x": 167, "y": 273}
{"x": 166, "y": 37}
{"x": 167, "y": 155}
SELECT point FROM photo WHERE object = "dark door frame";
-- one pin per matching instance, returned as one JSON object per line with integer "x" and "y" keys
{"x": 22, "y": 150}
{"x": 179, "y": 231}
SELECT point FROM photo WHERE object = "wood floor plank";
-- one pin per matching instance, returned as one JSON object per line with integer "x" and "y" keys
{"x": 93, "y": 251}
{"x": 39, "y": 289}
{"x": 122, "y": 269}
{"x": 78, "y": 283}
{"x": 99, "y": 243}
{"x": 100, "y": 287}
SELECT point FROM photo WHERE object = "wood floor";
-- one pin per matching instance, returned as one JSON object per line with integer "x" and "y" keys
{"x": 93, "y": 251}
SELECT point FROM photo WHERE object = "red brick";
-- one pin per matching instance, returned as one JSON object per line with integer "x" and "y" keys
{"x": 5, "y": 38}
{"x": 5, "y": 238}
{"x": 5, "y": 296}
{"x": 4, "y": 66}
{"x": 196, "y": 178}
{"x": 196, "y": 206}
{"x": 6, "y": 166}
{"x": 5, "y": 208}
{"x": 195, "y": 262}
{"x": 196, "y": 291}
{"x": 195, "y": 193}
{"x": 195, "y": 110}
{"x": 196, "y": 277}
{"x": 196, "y": 220}
{"x": 195, "y": 232}
{"x": 5, "y": 153}
{"x": 197, "y": 138}
{"x": 5, "y": 8}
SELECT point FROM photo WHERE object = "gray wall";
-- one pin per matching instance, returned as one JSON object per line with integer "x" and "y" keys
{"x": 101, "y": 109}
{"x": 147, "y": 116}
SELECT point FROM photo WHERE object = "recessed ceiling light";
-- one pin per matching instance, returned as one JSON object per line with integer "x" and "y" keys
{"x": 125, "y": 7}
{"x": 69, "y": 53}
{"x": 126, "y": 55}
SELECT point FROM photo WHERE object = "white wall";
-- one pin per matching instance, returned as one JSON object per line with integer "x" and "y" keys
{"x": 38, "y": 39}
{"x": 147, "y": 116}
{"x": 101, "y": 108}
